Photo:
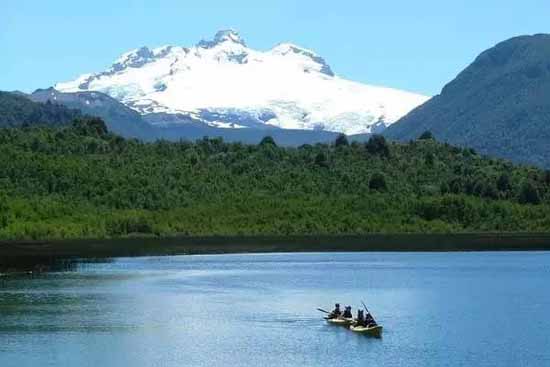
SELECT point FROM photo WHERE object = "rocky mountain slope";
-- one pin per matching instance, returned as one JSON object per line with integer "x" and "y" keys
{"x": 16, "y": 109}
{"x": 499, "y": 105}
{"x": 119, "y": 118}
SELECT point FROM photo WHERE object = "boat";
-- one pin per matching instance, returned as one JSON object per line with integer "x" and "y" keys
{"x": 351, "y": 323}
{"x": 374, "y": 331}
{"x": 339, "y": 321}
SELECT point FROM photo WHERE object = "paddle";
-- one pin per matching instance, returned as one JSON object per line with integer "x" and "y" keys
{"x": 320, "y": 309}
{"x": 366, "y": 309}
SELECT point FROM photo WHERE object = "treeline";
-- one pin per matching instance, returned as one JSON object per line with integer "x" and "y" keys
{"x": 81, "y": 181}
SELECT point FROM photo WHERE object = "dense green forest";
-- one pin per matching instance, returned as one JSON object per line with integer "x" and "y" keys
{"x": 81, "y": 181}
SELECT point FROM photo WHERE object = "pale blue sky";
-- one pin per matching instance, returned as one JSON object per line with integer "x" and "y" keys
{"x": 413, "y": 45}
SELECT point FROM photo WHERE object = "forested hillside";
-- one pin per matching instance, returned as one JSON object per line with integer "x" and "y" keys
{"x": 81, "y": 181}
{"x": 120, "y": 119}
{"x": 498, "y": 105}
{"x": 17, "y": 110}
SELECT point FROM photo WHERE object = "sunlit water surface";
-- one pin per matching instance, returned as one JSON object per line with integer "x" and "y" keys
{"x": 438, "y": 309}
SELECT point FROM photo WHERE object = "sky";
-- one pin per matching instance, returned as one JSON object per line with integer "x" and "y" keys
{"x": 412, "y": 45}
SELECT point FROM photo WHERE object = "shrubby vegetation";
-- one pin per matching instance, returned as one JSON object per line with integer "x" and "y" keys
{"x": 81, "y": 181}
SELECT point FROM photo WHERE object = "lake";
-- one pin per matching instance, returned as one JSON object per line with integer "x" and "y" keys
{"x": 438, "y": 309}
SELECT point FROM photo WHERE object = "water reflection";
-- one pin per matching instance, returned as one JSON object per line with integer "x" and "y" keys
{"x": 40, "y": 264}
{"x": 55, "y": 295}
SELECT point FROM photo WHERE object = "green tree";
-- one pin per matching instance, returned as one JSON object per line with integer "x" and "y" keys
{"x": 377, "y": 145}
{"x": 341, "y": 141}
{"x": 430, "y": 159}
{"x": 490, "y": 191}
{"x": 90, "y": 126}
{"x": 321, "y": 159}
{"x": 503, "y": 183}
{"x": 378, "y": 182}
{"x": 4, "y": 210}
{"x": 268, "y": 141}
{"x": 529, "y": 194}
{"x": 426, "y": 135}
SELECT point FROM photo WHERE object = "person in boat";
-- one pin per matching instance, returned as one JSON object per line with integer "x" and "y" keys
{"x": 347, "y": 313}
{"x": 336, "y": 312}
{"x": 360, "y": 320}
{"x": 369, "y": 320}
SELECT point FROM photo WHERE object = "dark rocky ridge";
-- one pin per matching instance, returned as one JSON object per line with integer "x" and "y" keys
{"x": 51, "y": 107}
{"x": 120, "y": 119}
{"x": 499, "y": 105}
{"x": 16, "y": 109}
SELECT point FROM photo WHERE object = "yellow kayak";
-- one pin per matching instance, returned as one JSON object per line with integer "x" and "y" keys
{"x": 375, "y": 331}
{"x": 339, "y": 321}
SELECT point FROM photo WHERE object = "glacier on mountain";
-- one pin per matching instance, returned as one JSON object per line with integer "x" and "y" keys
{"x": 224, "y": 83}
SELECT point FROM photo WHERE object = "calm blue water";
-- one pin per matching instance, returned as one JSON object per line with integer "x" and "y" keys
{"x": 438, "y": 309}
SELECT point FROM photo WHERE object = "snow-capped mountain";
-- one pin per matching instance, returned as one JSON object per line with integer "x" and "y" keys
{"x": 223, "y": 83}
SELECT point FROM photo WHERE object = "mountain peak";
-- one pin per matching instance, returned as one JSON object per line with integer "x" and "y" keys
{"x": 135, "y": 58}
{"x": 222, "y": 83}
{"x": 284, "y": 49}
{"x": 222, "y": 36}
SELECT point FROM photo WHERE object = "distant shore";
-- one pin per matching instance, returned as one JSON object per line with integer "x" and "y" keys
{"x": 152, "y": 246}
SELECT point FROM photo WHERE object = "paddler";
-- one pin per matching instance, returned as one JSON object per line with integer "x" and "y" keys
{"x": 336, "y": 312}
{"x": 369, "y": 320}
{"x": 360, "y": 321}
{"x": 347, "y": 313}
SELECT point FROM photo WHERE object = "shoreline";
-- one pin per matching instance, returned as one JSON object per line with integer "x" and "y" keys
{"x": 181, "y": 245}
